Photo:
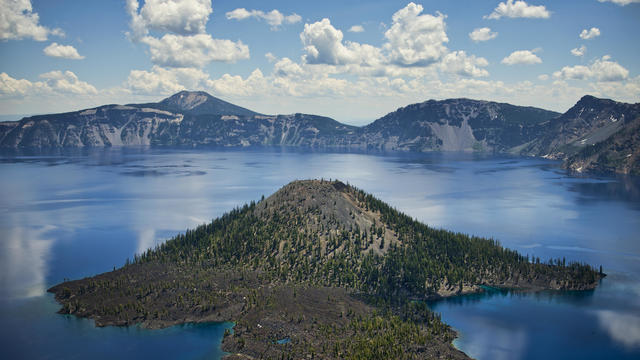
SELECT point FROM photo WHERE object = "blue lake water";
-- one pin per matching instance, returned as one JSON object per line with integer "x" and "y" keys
{"x": 81, "y": 213}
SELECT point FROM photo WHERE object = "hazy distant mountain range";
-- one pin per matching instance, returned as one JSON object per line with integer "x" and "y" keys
{"x": 594, "y": 135}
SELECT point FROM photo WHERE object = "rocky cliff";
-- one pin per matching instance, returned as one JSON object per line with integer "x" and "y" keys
{"x": 197, "y": 118}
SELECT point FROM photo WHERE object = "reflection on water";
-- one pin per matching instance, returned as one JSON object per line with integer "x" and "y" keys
{"x": 623, "y": 188}
{"x": 24, "y": 256}
{"x": 75, "y": 213}
{"x": 622, "y": 327}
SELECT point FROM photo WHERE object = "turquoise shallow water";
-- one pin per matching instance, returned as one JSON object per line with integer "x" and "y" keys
{"x": 77, "y": 214}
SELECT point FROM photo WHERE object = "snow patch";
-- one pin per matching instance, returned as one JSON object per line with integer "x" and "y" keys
{"x": 150, "y": 110}
{"x": 88, "y": 112}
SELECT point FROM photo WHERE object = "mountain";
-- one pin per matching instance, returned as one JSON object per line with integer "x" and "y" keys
{"x": 598, "y": 135}
{"x": 198, "y": 103}
{"x": 619, "y": 153}
{"x": 456, "y": 125}
{"x": 186, "y": 118}
{"x": 322, "y": 265}
{"x": 197, "y": 118}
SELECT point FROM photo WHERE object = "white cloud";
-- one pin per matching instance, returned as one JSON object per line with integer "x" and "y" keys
{"x": 18, "y": 21}
{"x": 414, "y": 48}
{"x": 137, "y": 24}
{"x": 274, "y": 17}
{"x": 482, "y": 34}
{"x": 184, "y": 17}
{"x": 62, "y": 51}
{"x": 323, "y": 45}
{"x": 270, "y": 57}
{"x": 287, "y": 68}
{"x": 522, "y": 57}
{"x": 543, "y": 77}
{"x": 458, "y": 62}
{"x": 67, "y": 82}
{"x": 164, "y": 81}
{"x": 518, "y": 9}
{"x": 54, "y": 82}
{"x": 621, "y": 2}
{"x": 578, "y": 72}
{"x": 579, "y": 51}
{"x": 186, "y": 43}
{"x": 356, "y": 29}
{"x": 415, "y": 39}
{"x": 236, "y": 86}
{"x": 590, "y": 34}
{"x": 603, "y": 70}
{"x": 11, "y": 87}
{"x": 193, "y": 51}
{"x": 606, "y": 70}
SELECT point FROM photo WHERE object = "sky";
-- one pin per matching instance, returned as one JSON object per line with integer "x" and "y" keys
{"x": 353, "y": 60}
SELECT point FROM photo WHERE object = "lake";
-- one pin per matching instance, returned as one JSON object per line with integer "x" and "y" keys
{"x": 79, "y": 213}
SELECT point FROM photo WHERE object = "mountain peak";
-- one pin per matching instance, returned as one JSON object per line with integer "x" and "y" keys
{"x": 592, "y": 100}
{"x": 200, "y": 103}
{"x": 187, "y": 100}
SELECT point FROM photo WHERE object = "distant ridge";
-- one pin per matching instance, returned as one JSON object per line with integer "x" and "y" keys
{"x": 195, "y": 118}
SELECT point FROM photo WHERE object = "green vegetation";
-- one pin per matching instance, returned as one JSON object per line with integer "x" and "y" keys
{"x": 314, "y": 247}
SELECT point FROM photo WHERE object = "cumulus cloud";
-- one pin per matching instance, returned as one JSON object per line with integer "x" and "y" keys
{"x": 518, "y": 9}
{"x": 621, "y": 2}
{"x": 184, "y": 17}
{"x": 522, "y": 57}
{"x": 482, "y": 34}
{"x": 579, "y": 51}
{"x": 67, "y": 82}
{"x": 186, "y": 43}
{"x": 287, "y": 68}
{"x": 193, "y": 51}
{"x": 578, "y": 72}
{"x": 356, "y": 29}
{"x": 590, "y": 34}
{"x": 323, "y": 45}
{"x": 415, "y": 39}
{"x": 18, "y": 21}
{"x": 600, "y": 70}
{"x": 165, "y": 81}
{"x": 458, "y": 62}
{"x": 62, "y": 51}
{"x": 274, "y": 17}
{"x": 415, "y": 47}
{"x": 53, "y": 82}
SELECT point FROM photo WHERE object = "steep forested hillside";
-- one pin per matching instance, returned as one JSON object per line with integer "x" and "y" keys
{"x": 314, "y": 262}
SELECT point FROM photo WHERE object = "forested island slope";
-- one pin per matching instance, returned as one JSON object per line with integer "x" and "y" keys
{"x": 328, "y": 268}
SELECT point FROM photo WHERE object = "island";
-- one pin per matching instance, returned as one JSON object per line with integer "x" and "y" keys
{"x": 319, "y": 269}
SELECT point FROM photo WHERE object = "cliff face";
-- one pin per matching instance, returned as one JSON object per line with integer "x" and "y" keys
{"x": 589, "y": 122}
{"x": 455, "y": 125}
{"x": 111, "y": 125}
{"x": 117, "y": 125}
{"x": 619, "y": 153}
{"x": 197, "y": 118}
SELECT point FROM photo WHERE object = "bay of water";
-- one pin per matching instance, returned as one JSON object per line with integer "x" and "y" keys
{"x": 81, "y": 213}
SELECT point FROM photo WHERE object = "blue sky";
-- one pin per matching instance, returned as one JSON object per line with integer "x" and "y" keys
{"x": 353, "y": 61}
